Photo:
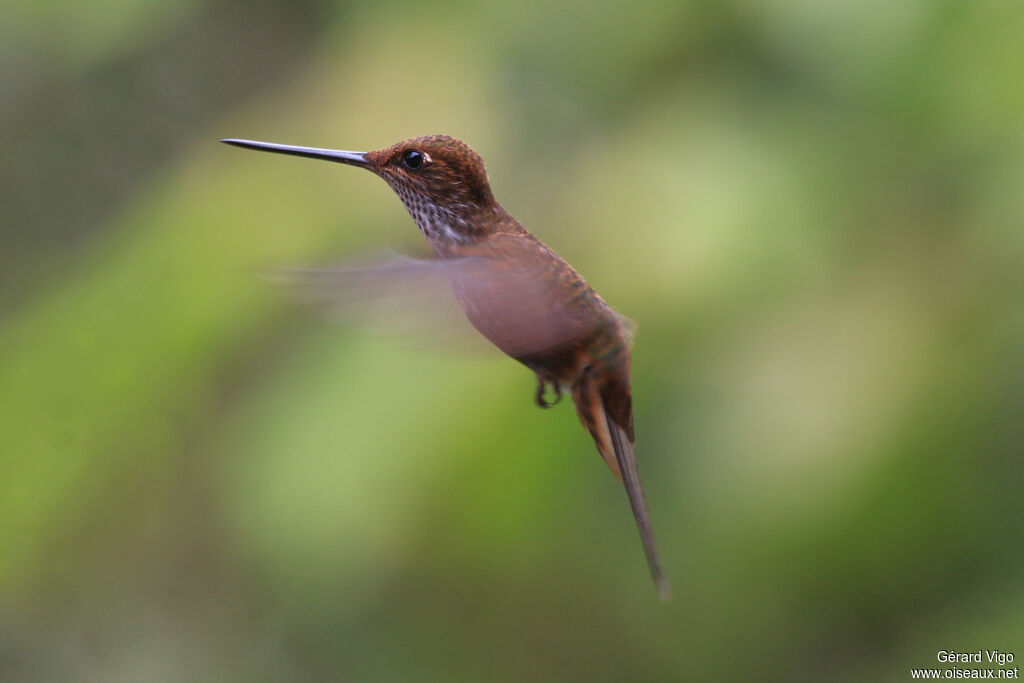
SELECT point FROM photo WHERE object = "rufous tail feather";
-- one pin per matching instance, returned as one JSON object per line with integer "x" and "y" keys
{"x": 616, "y": 447}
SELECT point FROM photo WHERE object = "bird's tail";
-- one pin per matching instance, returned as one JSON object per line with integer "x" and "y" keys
{"x": 607, "y": 414}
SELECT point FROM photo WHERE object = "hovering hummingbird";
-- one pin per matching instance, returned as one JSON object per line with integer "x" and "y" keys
{"x": 517, "y": 292}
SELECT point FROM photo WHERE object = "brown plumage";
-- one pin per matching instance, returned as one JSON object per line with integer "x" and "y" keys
{"x": 517, "y": 293}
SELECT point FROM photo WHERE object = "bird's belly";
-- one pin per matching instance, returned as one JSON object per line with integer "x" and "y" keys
{"x": 518, "y": 315}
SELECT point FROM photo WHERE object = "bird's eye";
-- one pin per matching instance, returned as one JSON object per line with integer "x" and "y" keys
{"x": 412, "y": 159}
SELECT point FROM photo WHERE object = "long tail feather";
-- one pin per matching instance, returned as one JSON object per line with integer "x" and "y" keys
{"x": 616, "y": 447}
{"x": 626, "y": 458}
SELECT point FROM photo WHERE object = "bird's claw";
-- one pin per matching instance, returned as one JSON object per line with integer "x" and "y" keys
{"x": 542, "y": 383}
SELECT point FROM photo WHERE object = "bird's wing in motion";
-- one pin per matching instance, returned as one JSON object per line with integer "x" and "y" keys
{"x": 414, "y": 297}
{"x": 409, "y": 297}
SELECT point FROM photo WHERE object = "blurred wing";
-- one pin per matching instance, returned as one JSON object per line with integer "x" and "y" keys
{"x": 406, "y": 296}
{"x": 505, "y": 301}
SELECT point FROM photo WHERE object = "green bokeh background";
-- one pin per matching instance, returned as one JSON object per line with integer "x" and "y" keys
{"x": 814, "y": 211}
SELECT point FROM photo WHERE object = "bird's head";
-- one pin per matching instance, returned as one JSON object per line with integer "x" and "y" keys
{"x": 440, "y": 179}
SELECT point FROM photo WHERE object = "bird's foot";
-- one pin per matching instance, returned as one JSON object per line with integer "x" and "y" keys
{"x": 542, "y": 384}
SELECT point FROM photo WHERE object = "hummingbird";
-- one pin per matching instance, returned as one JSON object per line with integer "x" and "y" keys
{"x": 517, "y": 292}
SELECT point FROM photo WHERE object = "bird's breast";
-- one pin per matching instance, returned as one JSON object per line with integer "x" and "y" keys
{"x": 530, "y": 307}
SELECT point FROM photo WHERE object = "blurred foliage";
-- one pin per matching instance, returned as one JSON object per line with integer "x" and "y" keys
{"x": 813, "y": 210}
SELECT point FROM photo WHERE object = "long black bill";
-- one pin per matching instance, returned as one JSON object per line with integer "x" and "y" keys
{"x": 340, "y": 156}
